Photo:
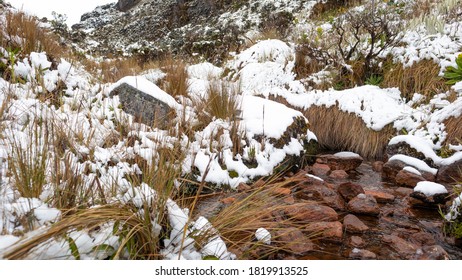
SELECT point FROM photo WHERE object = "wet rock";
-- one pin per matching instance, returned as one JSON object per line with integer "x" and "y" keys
{"x": 353, "y": 224}
{"x": 228, "y": 200}
{"x": 356, "y": 242}
{"x": 381, "y": 197}
{"x": 310, "y": 212}
{"x": 281, "y": 191}
{"x": 341, "y": 161}
{"x": 364, "y": 204}
{"x": 243, "y": 187}
{"x": 362, "y": 254}
{"x": 403, "y": 248}
{"x": 349, "y": 190}
{"x": 393, "y": 167}
{"x": 420, "y": 200}
{"x": 320, "y": 169}
{"x": 434, "y": 252}
{"x": 338, "y": 174}
{"x": 402, "y": 192}
{"x": 408, "y": 179}
{"x": 377, "y": 166}
{"x": 319, "y": 191}
{"x": 294, "y": 241}
{"x": 332, "y": 231}
{"x": 422, "y": 238}
{"x": 403, "y": 148}
{"x": 450, "y": 173}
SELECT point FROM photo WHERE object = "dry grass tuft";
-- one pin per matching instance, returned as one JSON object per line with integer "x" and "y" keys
{"x": 422, "y": 77}
{"x": 24, "y": 32}
{"x": 135, "y": 231}
{"x": 454, "y": 130}
{"x": 112, "y": 70}
{"x": 338, "y": 130}
{"x": 259, "y": 208}
{"x": 176, "y": 81}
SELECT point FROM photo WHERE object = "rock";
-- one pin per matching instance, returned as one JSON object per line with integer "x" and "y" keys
{"x": 319, "y": 191}
{"x": 362, "y": 254}
{"x": 356, "y": 242}
{"x": 320, "y": 169}
{"x": 422, "y": 238}
{"x": 145, "y": 107}
{"x": 403, "y": 248}
{"x": 349, "y": 190}
{"x": 420, "y": 200}
{"x": 433, "y": 252}
{"x": 402, "y": 192}
{"x": 243, "y": 187}
{"x": 392, "y": 167}
{"x": 228, "y": 200}
{"x": 125, "y": 5}
{"x": 364, "y": 204}
{"x": 310, "y": 212}
{"x": 408, "y": 179}
{"x": 294, "y": 240}
{"x": 281, "y": 191}
{"x": 381, "y": 197}
{"x": 377, "y": 166}
{"x": 341, "y": 161}
{"x": 338, "y": 174}
{"x": 353, "y": 224}
{"x": 450, "y": 173}
{"x": 332, "y": 231}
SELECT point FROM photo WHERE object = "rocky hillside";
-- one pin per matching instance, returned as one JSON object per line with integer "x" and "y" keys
{"x": 192, "y": 27}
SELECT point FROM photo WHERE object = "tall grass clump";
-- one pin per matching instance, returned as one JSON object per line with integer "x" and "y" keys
{"x": 23, "y": 31}
{"x": 176, "y": 81}
{"x": 421, "y": 77}
{"x": 345, "y": 131}
{"x": 28, "y": 159}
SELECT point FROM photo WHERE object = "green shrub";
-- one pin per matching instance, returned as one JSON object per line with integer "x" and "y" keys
{"x": 453, "y": 74}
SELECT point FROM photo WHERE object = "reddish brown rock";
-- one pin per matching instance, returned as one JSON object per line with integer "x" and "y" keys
{"x": 450, "y": 173}
{"x": 362, "y": 254}
{"x": 377, "y": 166}
{"x": 310, "y": 212}
{"x": 408, "y": 179}
{"x": 404, "y": 249}
{"x": 228, "y": 200}
{"x": 294, "y": 240}
{"x": 392, "y": 167}
{"x": 433, "y": 252}
{"x": 281, "y": 191}
{"x": 381, "y": 197}
{"x": 402, "y": 192}
{"x": 346, "y": 163}
{"x": 354, "y": 224}
{"x": 332, "y": 231}
{"x": 338, "y": 174}
{"x": 319, "y": 191}
{"x": 320, "y": 169}
{"x": 242, "y": 187}
{"x": 356, "y": 242}
{"x": 349, "y": 190}
{"x": 364, "y": 204}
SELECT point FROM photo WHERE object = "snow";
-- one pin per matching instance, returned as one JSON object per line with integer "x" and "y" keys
{"x": 414, "y": 162}
{"x": 263, "y": 235}
{"x": 347, "y": 155}
{"x": 265, "y": 117}
{"x": 430, "y": 188}
{"x": 412, "y": 170}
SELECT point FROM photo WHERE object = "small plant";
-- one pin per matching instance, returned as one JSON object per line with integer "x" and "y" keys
{"x": 454, "y": 74}
{"x": 374, "y": 80}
